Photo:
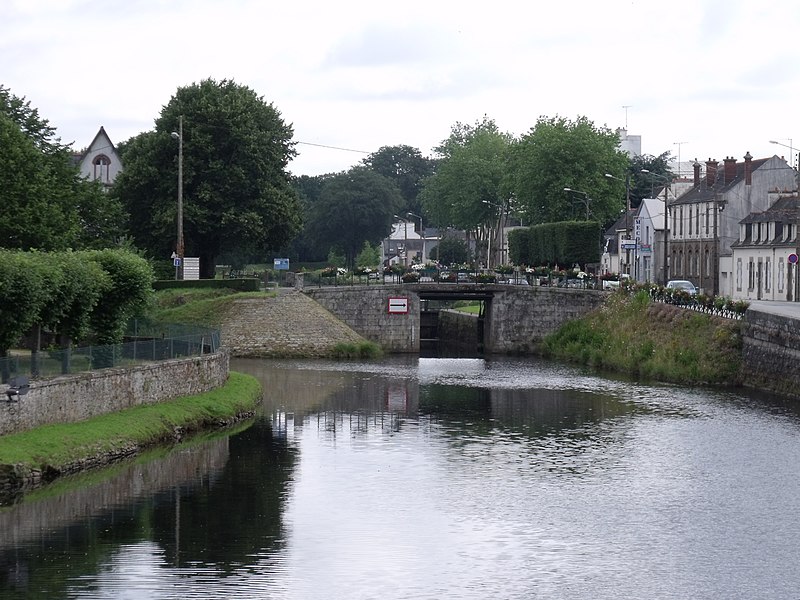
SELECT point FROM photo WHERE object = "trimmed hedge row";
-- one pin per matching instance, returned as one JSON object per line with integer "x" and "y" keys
{"x": 563, "y": 243}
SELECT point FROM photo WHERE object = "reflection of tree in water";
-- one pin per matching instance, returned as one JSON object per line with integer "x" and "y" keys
{"x": 533, "y": 412}
{"x": 232, "y": 521}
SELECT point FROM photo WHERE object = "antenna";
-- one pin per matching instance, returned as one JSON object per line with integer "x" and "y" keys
{"x": 626, "y": 107}
{"x": 679, "y": 144}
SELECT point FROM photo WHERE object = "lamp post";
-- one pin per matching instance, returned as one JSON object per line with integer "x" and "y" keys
{"x": 421, "y": 233}
{"x": 179, "y": 245}
{"x": 586, "y": 200}
{"x": 405, "y": 240}
{"x": 627, "y": 182}
{"x": 667, "y": 182}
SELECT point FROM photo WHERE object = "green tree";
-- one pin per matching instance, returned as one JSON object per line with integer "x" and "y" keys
{"x": 407, "y": 167}
{"x": 370, "y": 256}
{"x": 558, "y": 153}
{"x": 467, "y": 190}
{"x": 644, "y": 185}
{"x": 355, "y": 206}
{"x": 451, "y": 251}
{"x": 237, "y": 193}
{"x": 46, "y": 203}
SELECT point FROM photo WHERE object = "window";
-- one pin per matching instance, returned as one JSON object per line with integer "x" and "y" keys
{"x": 101, "y": 166}
{"x": 697, "y": 221}
{"x": 690, "y": 221}
{"x": 751, "y": 275}
{"x": 680, "y": 222}
{"x": 738, "y": 274}
{"x": 707, "y": 260}
{"x": 767, "y": 274}
{"x": 708, "y": 216}
{"x": 780, "y": 276}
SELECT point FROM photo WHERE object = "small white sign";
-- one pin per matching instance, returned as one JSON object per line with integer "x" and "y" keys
{"x": 398, "y": 306}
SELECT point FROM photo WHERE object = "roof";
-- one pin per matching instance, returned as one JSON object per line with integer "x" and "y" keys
{"x": 704, "y": 193}
{"x": 655, "y": 210}
{"x": 783, "y": 210}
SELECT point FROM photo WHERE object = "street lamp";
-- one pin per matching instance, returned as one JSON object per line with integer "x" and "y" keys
{"x": 421, "y": 233}
{"x": 667, "y": 181}
{"x": 179, "y": 246}
{"x": 405, "y": 240}
{"x": 627, "y": 182}
{"x": 790, "y": 147}
{"x": 586, "y": 200}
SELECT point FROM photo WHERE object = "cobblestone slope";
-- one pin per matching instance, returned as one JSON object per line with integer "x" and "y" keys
{"x": 290, "y": 324}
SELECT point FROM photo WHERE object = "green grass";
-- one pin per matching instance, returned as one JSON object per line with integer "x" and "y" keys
{"x": 652, "y": 341}
{"x": 202, "y": 306}
{"x": 361, "y": 350}
{"x": 55, "y": 448}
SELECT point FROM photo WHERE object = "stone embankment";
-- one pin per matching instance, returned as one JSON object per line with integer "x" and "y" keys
{"x": 287, "y": 325}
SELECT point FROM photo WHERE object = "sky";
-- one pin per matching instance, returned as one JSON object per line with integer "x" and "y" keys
{"x": 697, "y": 78}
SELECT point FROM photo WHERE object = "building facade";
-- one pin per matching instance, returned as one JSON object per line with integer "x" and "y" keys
{"x": 765, "y": 255}
{"x": 704, "y": 222}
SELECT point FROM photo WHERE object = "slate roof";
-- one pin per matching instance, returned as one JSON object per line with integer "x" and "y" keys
{"x": 704, "y": 193}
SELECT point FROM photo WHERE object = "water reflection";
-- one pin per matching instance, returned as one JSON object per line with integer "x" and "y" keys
{"x": 420, "y": 478}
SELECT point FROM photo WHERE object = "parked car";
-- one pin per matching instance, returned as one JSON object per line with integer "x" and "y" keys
{"x": 682, "y": 284}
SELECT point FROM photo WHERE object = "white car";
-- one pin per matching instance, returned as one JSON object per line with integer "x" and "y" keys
{"x": 682, "y": 284}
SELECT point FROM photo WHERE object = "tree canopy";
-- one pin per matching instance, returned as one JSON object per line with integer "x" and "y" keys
{"x": 559, "y": 153}
{"x": 407, "y": 167}
{"x": 466, "y": 192}
{"x": 237, "y": 194}
{"x": 46, "y": 203}
{"x": 355, "y": 206}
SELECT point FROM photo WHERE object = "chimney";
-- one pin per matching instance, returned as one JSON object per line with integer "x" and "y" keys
{"x": 730, "y": 169}
{"x": 711, "y": 172}
{"x": 696, "y": 166}
{"x": 748, "y": 169}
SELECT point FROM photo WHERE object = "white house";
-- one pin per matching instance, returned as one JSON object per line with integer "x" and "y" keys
{"x": 649, "y": 234}
{"x": 765, "y": 255}
{"x": 100, "y": 160}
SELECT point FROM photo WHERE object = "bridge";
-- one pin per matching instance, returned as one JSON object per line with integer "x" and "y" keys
{"x": 514, "y": 320}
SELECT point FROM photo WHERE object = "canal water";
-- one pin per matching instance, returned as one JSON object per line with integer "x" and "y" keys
{"x": 435, "y": 478}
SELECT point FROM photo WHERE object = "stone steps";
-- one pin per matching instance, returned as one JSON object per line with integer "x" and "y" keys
{"x": 289, "y": 324}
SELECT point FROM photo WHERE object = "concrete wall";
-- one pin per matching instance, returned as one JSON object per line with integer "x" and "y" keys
{"x": 771, "y": 352}
{"x": 78, "y": 397}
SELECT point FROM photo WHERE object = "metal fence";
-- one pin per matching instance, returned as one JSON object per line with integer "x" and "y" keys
{"x": 146, "y": 343}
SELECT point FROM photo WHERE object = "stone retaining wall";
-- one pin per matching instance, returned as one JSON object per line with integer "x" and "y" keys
{"x": 771, "y": 352}
{"x": 72, "y": 398}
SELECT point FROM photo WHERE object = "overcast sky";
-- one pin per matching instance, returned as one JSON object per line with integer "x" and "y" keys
{"x": 718, "y": 77}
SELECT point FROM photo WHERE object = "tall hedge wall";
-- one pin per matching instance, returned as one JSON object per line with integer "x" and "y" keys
{"x": 563, "y": 243}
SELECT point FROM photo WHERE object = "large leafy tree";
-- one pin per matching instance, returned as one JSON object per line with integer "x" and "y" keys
{"x": 46, "y": 203}
{"x": 237, "y": 194}
{"x": 467, "y": 191}
{"x": 407, "y": 167}
{"x": 558, "y": 153}
{"x": 354, "y": 207}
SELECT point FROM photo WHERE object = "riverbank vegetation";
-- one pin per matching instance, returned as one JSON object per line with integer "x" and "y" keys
{"x": 646, "y": 339}
{"x": 196, "y": 306}
{"x": 44, "y": 453}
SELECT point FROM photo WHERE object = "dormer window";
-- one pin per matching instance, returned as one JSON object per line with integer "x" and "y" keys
{"x": 101, "y": 168}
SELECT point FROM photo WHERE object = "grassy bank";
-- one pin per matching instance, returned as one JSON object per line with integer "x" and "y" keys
{"x": 201, "y": 306}
{"x": 631, "y": 334}
{"x": 51, "y": 450}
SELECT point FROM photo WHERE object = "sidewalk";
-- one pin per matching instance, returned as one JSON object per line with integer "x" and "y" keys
{"x": 783, "y": 309}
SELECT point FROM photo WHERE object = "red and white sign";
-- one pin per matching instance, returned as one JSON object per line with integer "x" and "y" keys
{"x": 398, "y": 306}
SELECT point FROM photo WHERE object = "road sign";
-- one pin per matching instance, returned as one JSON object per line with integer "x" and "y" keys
{"x": 176, "y": 262}
{"x": 792, "y": 258}
{"x": 398, "y": 306}
{"x": 281, "y": 264}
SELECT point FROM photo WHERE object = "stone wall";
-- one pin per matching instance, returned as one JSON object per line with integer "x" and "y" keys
{"x": 366, "y": 310}
{"x": 517, "y": 320}
{"x": 72, "y": 398}
{"x": 771, "y": 352}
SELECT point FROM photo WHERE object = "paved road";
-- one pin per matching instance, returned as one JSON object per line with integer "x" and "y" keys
{"x": 784, "y": 309}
